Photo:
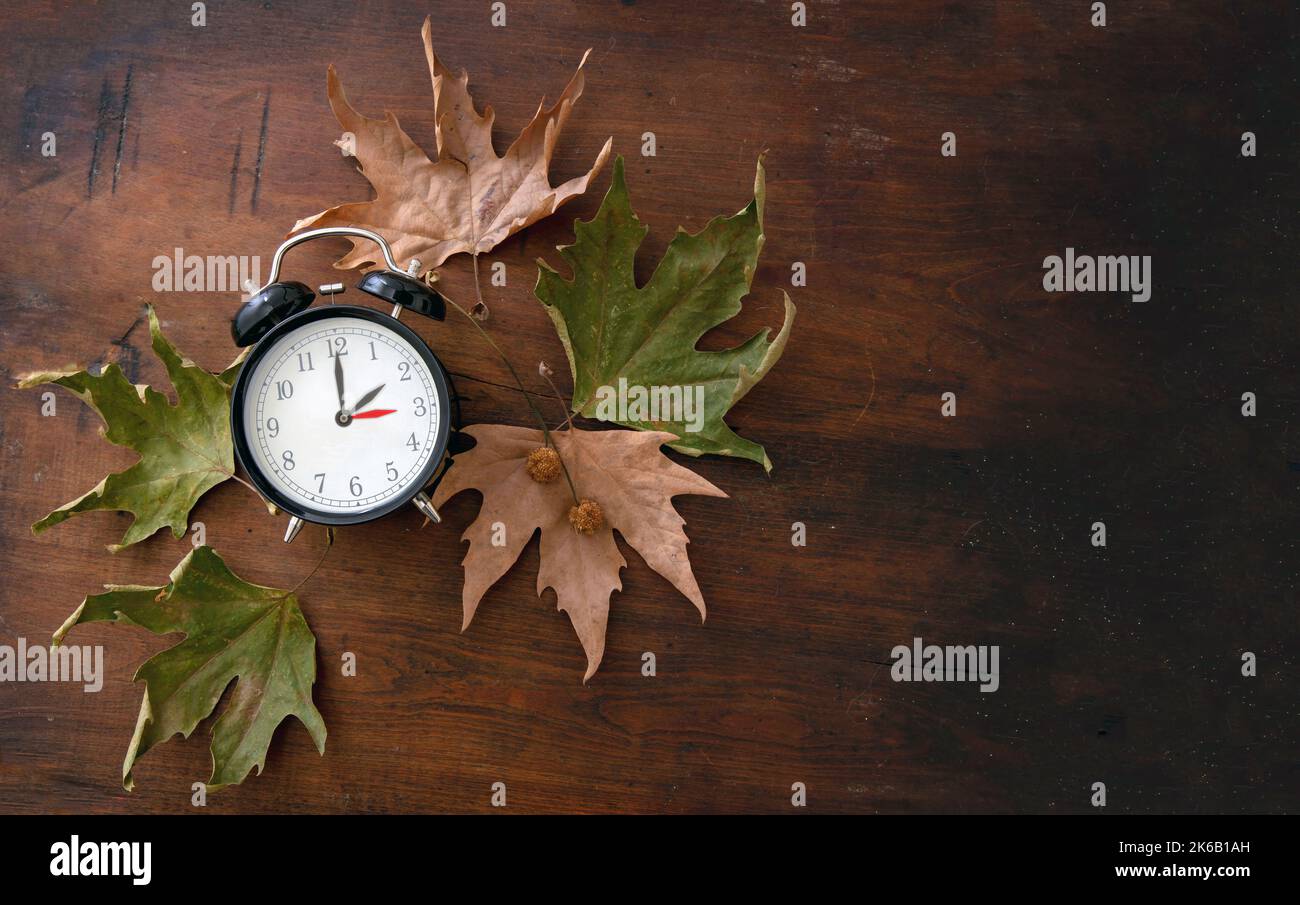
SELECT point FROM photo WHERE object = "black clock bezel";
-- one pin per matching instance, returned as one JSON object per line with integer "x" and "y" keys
{"x": 244, "y": 452}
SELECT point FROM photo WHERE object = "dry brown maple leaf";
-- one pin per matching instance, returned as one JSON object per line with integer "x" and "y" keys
{"x": 623, "y": 471}
{"x": 469, "y": 199}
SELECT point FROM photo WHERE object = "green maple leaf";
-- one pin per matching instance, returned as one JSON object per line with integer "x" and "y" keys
{"x": 647, "y": 335}
{"x": 185, "y": 449}
{"x": 233, "y": 629}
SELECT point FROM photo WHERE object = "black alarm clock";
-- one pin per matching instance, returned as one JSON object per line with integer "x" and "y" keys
{"x": 341, "y": 414}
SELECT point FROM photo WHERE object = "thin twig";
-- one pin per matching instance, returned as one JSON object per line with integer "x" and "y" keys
{"x": 329, "y": 543}
{"x": 478, "y": 291}
{"x": 546, "y": 431}
{"x": 245, "y": 483}
{"x": 546, "y": 375}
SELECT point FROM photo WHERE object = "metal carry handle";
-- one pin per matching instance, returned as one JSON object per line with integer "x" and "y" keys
{"x": 328, "y": 231}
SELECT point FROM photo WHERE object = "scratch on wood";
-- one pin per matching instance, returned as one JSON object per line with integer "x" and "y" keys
{"x": 261, "y": 150}
{"x": 32, "y": 98}
{"x": 128, "y": 357}
{"x": 101, "y": 122}
{"x": 234, "y": 170}
{"x": 873, "y": 391}
{"x": 121, "y": 340}
{"x": 39, "y": 181}
{"x": 121, "y": 125}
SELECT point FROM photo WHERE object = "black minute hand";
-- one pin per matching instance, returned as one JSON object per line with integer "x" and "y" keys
{"x": 338, "y": 378}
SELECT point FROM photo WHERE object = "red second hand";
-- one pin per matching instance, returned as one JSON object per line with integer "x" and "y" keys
{"x": 374, "y": 413}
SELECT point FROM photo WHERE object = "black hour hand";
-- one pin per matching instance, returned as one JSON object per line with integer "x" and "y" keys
{"x": 365, "y": 400}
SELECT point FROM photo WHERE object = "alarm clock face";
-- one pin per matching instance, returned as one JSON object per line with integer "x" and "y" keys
{"x": 340, "y": 415}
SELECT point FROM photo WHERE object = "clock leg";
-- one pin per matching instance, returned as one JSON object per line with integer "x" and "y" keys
{"x": 422, "y": 502}
{"x": 295, "y": 525}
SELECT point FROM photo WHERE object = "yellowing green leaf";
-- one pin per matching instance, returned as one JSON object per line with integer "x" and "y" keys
{"x": 233, "y": 631}
{"x": 613, "y": 329}
{"x": 185, "y": 449}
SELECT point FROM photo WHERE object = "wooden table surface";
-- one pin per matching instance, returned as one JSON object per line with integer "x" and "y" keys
{"x": 1119, "y": 665}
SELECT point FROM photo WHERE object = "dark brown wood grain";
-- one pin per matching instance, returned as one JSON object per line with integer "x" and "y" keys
{"x": 1119, "y": 665}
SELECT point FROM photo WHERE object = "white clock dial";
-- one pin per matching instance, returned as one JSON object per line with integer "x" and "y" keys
{"x": 350, "y": 456}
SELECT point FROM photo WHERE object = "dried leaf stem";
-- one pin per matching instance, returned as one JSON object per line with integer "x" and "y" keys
{"x": 329, "y": 543}
{"x": 546, "y": 431}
